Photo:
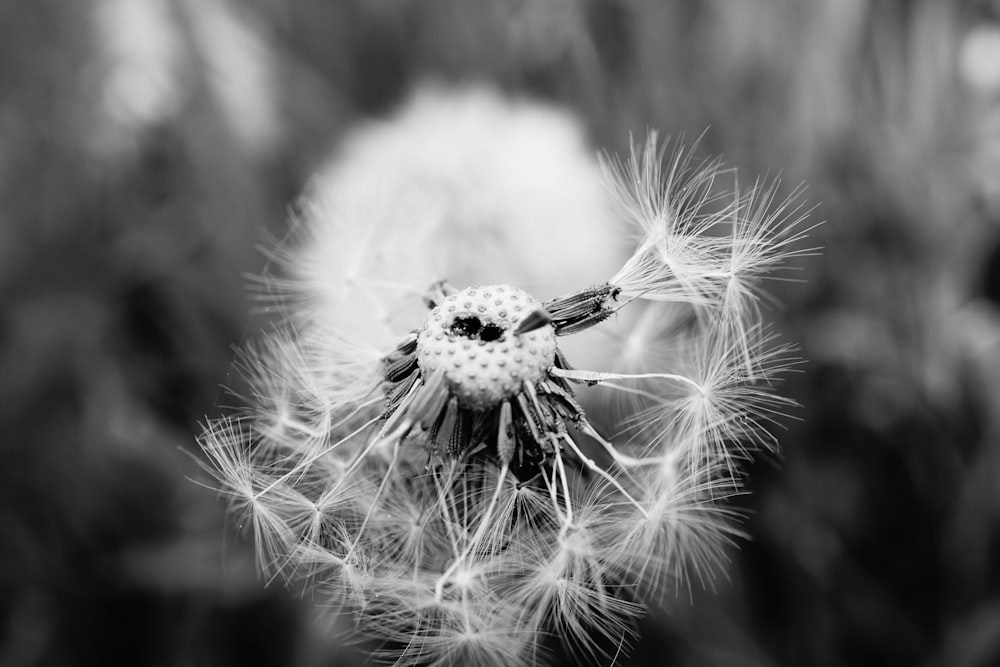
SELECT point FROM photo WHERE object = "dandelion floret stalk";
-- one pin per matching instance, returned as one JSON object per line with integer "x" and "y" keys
{"x": 454, "y": 494}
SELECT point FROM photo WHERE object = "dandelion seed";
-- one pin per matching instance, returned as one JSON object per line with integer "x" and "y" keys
{"x": 452, "y": 492}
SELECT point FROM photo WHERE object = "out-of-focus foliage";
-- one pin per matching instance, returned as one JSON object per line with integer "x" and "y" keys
{"x": 146, "y": 146}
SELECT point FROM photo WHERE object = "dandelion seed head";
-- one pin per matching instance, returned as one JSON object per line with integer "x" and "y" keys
{"x": 420, "y": 453}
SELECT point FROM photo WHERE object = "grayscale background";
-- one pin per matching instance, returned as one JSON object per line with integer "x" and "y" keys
{"x": 147, "y": 147}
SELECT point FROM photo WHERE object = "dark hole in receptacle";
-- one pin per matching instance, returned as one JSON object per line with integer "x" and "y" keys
{"x": 472, "y": 327}
{"x": 466, "y": 326}
{"x": 491, "y": 332}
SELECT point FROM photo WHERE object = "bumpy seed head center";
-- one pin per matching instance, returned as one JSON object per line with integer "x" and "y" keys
{"x": 471, "y": 337}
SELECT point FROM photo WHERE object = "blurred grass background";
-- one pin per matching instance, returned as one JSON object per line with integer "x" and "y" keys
{"x": 147, "y": 146}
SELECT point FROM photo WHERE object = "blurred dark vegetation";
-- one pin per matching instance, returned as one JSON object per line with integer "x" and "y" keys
{"x": 148, "y": 145}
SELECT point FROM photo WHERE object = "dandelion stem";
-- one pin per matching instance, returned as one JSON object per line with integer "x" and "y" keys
{"x": 449, "y": 521}
{"x": 565, "y": 486}
{"x": 589, "y": 462}
{"x": 550, "y": 484}
{"x": 396, "y": 436}
{"x": 485, "y": 522}
{"x": 620, "y": 459}
{"x": 600, "y": 377}
{"x": 378, "y": 494}
{"x": 301, "y": 467}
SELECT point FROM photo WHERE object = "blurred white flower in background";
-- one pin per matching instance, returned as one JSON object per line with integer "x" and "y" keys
{"x": 156, "y": 58}
{"x": 464, "y": 185}
{"x": 142, "y": 53}
{"x": 415, "y": 447}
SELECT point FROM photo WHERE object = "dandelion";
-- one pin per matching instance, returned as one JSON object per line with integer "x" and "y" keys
{"x": 450, "y": 489}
